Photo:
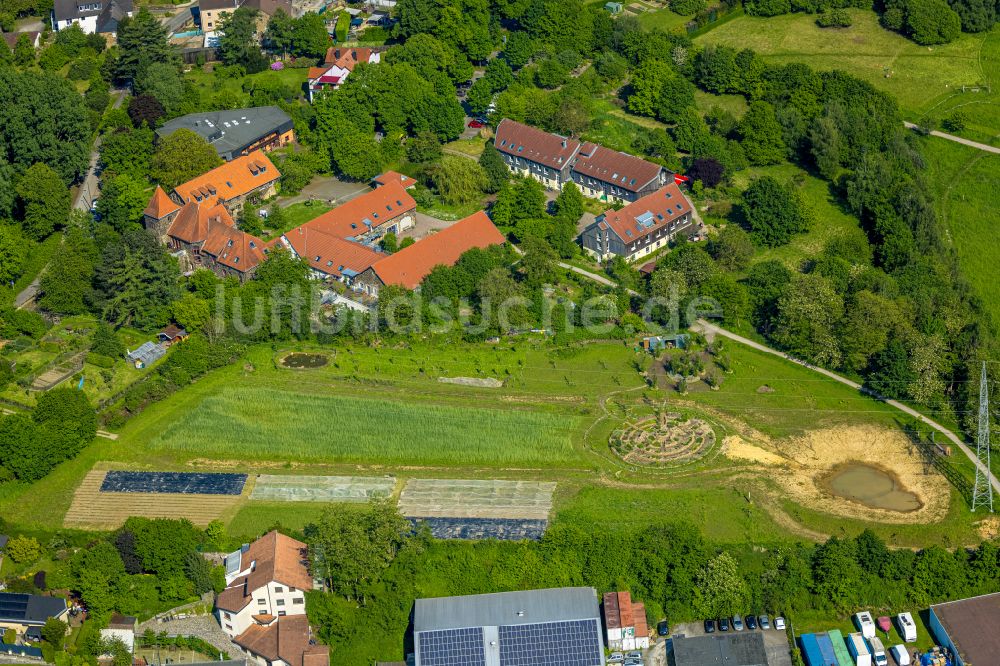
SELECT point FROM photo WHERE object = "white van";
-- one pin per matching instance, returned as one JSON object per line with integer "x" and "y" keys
{"x": 900, "y": 654}
{"x": 907, "y": 629}
{"x": 863, "y": 621}
{"x": 879, "y": 657}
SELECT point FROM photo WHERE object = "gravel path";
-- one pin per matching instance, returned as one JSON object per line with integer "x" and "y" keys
{"x": 201, "y": 626}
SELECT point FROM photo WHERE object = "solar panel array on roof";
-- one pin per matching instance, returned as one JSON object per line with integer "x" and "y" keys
{"x": 197, "y": 483}
{"x": 574, "y": 643}
{"x": 13, "y": 605}
{"x": 452, "y": 646}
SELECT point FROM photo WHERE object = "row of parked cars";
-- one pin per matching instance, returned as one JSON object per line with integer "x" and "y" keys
{"x": 633, "y": 658}
{"x": 739, "y": 623}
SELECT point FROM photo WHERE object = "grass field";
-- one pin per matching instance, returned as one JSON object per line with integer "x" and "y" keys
{"x": 264, "y": 423}
{"x": 921, "y": 78}
{"x": 664, "y": 19}
{"x": 298, "y": 214}
{"x": 968, "y": 201}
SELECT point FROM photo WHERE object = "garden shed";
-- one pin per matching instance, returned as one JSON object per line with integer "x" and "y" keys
{"x": 147, "y": 354}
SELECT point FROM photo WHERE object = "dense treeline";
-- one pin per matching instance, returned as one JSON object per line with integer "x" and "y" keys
{"x": 31, "y": 445}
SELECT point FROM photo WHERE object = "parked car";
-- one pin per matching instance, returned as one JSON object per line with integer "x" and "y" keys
{"x": 751, "y": 622}
{"x": 709, "y": 626}
{"x": 764, "y": 622}
{"x": 779, "y": 623}
{"x": 737, "y": 623}
{"x": 723, "y": 624}
{"x": 634, "y": 662}
{"x": 634, "y": 654}
{"x": 476, "y": 124}
{"x": 662, "y": 629}
{"x": 616, "y": 657}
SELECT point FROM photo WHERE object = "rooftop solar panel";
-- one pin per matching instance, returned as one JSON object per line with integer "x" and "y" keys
{"x": 575, "y": 643}
{"x": 452, "y": 647}
{"x": 199, "y": 483}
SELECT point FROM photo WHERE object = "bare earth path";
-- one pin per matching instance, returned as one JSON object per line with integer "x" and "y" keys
{"x": 957, "y": 139}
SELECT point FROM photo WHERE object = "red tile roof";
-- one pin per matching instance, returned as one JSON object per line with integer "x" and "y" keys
{"x": 625, "y": 609}
{"x": 286, "y": 639}
{"x": 160, "y": 205}
{"x": 412, "y": 264}
{"x": 273, "y": 557}
{"x": 194, "y": 222}
{"x": 346, "y": 58}
{"x": 647, "y": 214}
{"x": 377, "y": 207}
{"x": 389, "y": 176}
{"x": 233, "y": 179}
{"x": 234, "y": 248}
{"x": 522, "y": 140}
{"x": 330, "y": 254}
{"x": 620, "y": 169}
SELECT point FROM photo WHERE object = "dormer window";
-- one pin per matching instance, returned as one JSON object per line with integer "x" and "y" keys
{"x": 252, "y": 245}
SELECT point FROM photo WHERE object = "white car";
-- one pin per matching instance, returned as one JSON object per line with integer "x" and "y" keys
{"x": 779, "y": 623}
{"x": 616, "y": 658}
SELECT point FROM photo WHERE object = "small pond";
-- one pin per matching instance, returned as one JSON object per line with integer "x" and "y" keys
{"x": 872, "y": 487}
{"x": 300, "y": 360}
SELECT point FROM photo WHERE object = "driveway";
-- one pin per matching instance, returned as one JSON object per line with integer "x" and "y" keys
{"x": 326, "y": 188}
{"x": 425, "y": 226}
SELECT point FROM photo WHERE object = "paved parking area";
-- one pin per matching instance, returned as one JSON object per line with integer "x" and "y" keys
{"x": 775, "y": 642}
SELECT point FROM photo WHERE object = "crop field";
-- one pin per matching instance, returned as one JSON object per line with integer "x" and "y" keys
{"x": 254, "y": 421}
{"x": 292, "y": 488}
{"x": 915, "y": 75}
{"x": 965, "y": 180}
{"x": 476, "y": 498}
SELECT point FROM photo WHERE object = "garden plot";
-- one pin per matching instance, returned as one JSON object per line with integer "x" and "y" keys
{"x": 290, "y": 488}
{"x": 504, "y": 529}
{"x": 485, "y": 498}
{"x": 94, "y": 508}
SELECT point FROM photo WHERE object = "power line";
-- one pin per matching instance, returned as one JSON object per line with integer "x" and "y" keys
{"x": 982, "y": 493}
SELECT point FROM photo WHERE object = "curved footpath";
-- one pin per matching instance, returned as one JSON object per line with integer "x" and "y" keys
{"x": 711, "y": 329}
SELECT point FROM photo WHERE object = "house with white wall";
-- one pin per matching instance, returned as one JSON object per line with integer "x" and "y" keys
{"x": 265, "y": 580}
{"x": 100, "y": 16}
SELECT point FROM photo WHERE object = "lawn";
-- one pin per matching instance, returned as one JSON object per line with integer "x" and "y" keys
{"x": 298, "y": 214}
{"x": 968, "y": 201}
{"x": 209, "y": 83}
{"x": 829, "y": 219}
{"x": 664, "y": 19}
{"x": 473, "y": 146}
{"x": 919, "y": 77}
{"x": 264, "y": 423}
{"x": 256, "y": 518}
{"x": 734, "y": 104}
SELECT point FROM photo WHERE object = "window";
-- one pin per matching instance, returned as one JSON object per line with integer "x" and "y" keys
{"x": 280, "y": 602}
{"x": 298, "y": 601}
{"x": 281, "y": 613}
{"x": 262, "y": 602}
{"x": 227, "y": 616}
{"x": 209, "y": 24}
{"x": 229, "y": 627}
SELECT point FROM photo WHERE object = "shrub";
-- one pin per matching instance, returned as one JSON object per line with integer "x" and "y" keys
{"x": 955, "y": 122}
{"x": 687, "y": 7}
{"x": 834, "y": 18}
{"x": 100, "y": 360}
{"x": 23, "y": 549}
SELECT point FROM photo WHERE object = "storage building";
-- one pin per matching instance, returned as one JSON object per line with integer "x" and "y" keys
{"x": 556, "y": 627}
{"x": 967, "y": 628}
{"x": 625, "y": 622}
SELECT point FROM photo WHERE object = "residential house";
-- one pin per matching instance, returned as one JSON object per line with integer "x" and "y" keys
{"x": 330, "y": 257}
{"x": 265, "y": 580}
{"x": 93, "y": 16}
{"x": 282, "y": 641}
{"x": 389, "y": 176}
{"x": 641, "y": 227}
{"x": 197, "y": 220}
{"x": 214, "y": 11}
{"x": 336, "y": 67}
{"x": 369, "y": 217}
{"x": 238, "y": 132}
{"x": 625, "y": 622}
{"x": 27, "y": 613}
{"x": 121, "y": 627}
{"x": 11, "y": 38}
{"x": 528, "y": 151}
{"x": 555, "y": 627}
{"x": 408, "y": 267}
{"x": 555, "y": 160}
{"x": 248, "y": 177}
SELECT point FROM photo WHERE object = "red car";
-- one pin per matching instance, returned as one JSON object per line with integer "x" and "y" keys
{"x": 476, "y": 124}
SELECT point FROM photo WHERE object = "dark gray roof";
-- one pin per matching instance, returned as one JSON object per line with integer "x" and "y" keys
{"x": 506, "y": 608}
{"x": 69, "y": 9}
{"x": 29, "y": 608}
{"x": 114, "y": 11}
{"x": 971, "y": 626}
{"x": 3, "y": 541}
{"x": 736, "y": 649}
{"x": 230, "y": 132}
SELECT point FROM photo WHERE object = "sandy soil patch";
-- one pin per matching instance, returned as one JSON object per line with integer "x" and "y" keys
{"x": 808, "y": 461}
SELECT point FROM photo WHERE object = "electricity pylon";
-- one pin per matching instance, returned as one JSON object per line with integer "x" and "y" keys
{"x": 982, "y": 493}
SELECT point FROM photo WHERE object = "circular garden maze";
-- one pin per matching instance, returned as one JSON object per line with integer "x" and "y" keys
{"x": 665, "y": 439}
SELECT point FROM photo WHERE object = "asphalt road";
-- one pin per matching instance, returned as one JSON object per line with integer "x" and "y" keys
{"x": 182, "y": 15}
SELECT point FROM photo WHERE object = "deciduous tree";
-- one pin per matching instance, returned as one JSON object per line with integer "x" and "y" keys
{"x": 44, "y": 201}
{"x": 180, "y": 157}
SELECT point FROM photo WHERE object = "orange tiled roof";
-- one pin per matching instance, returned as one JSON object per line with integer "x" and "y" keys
{"x": 273, "y": 557}
{"x": 390, "y": 176}
{"x": 287, "y": 639}
{"x": 330, "y": 254}
{"x": 346, "y": 58}
{"x": 412, "y": 264}
{"x": 365, "y": 212}
{"x": 193, "y": 223}
{"x": 234, "y": 248}
{"x": 160, "y": 205}
{"x": 233, "y": 179}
